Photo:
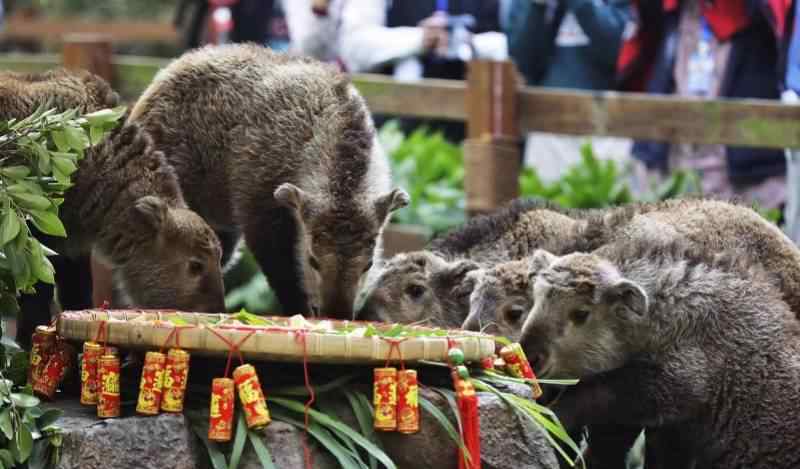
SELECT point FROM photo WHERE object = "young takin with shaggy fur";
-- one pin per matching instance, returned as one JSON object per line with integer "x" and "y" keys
{"x": 663, "y": 337}
{"x": 22, "y": 93}
{"x": 283, "y": 150}
{"x": 502, "y": 292}
{"x": 435, "y": 284}
{"x": 125, "y": 205}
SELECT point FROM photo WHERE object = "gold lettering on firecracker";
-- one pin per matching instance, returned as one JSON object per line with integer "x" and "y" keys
{"x": 111, "y": 383}
{"x": 248, "y": 391}
{"x": 158, "y": 380}
{"x": 215, "y": 411}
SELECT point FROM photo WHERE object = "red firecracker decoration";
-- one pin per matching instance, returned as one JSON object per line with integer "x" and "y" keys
{"x": 89, "y": 381}
{"x": 176, "y": 374}
{"x": 251, "y": 395}
{"x": 517, "y": 365}
{"x": 108, "y": 397}
{"x": 220, "y": 425}
{"x": 407, "y": 402}
{"x": 152, "y": 383}
{"x": 54, "y": 370}
{"x": 43, "y": 343}
{"x": 385, "y": 399}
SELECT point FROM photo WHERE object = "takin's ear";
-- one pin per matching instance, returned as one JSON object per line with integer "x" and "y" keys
{"x": 454, "y": 276}
{"x": 290, "y": 196}
{"x": 151, "y": 211}
{"x": 539, "y": 261}
{"x": 629, "y": 296}
{"x": 388, "y": 203}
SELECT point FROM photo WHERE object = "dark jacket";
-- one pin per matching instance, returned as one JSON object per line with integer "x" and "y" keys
{"x": 590, "y": 65}
{"x": 752, "y": 72}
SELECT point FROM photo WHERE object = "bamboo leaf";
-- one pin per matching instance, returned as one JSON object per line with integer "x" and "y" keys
{"x": 339, "y": 426}
{"x": 264, "y": 457}
{"x": 343, "y": 457}
{"x": 48, "y": 418}
{"x": 15, "y": 172}
{"x": 104, "y": 116}
{"x": 60, "y": 139}
{"x": 442, "y": 419}
{"x": 364, "y": 421}
{"x": 302, "y": 391}
{"x": 76, "y": 138}
{"x": 214, "y": 453}
{"x": 238, "y": 442}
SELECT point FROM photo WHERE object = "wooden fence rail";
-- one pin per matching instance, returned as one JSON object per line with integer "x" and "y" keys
{"x": 497, "y": 111}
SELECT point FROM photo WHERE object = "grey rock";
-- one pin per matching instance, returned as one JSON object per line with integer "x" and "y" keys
{"x": 286, "y": 446}
{"x": 163, "y": 441}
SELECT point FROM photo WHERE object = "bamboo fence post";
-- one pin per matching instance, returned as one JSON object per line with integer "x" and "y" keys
{"x": 90, "y": 52}
{"x": 491, "y": 151}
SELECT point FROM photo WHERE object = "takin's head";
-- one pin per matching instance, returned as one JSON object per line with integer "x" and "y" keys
{"x": 500, "y": 300}
{"x": 586, "y": 316}
{"x": 419, "y": 286}
{"x": 178, "y": 268}
{"x": 336, "y": 246}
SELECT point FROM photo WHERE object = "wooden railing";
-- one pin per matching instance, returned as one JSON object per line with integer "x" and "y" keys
{"x": 497, "y": 111}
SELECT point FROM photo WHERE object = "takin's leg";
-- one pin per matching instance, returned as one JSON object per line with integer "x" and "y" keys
{"x": 609, "y": 445}
{"x": 272, "y": 238}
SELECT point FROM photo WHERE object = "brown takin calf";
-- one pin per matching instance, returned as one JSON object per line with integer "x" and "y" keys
{"x": 502, "y": 295}
{"x": 661, "y": 337}
{"x": 434, "y": 285}
{"x": 125, "y": 207}
{"x": 22, "y": 93}
{"x": 283, "y": 151}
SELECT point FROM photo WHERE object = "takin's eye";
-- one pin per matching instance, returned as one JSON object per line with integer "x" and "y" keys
{"x": 514, "y": 313}
{"x": 367, "y": 267}
{"x": 579, "y": 316}
{"x": 313, "y": 262}
{"x": 415, "y": 291}
{"x": 196, "y": 268}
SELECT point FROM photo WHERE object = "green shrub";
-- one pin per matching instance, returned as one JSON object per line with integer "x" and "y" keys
{"x": 38, "y": 155}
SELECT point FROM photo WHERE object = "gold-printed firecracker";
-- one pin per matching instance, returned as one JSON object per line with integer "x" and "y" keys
{"x": 54, "y": 371}
{"x": 254, "y": 404}
{"x": 407, "y": 402}
{"x": 89, "y": 381}
{"x": 175, "y": 376}
{"x": 43, "y": 343}
{"x": 108, "y": 396}
{"x": 152, "y": 383}
{"x": 517, "y": 365}
{"x": 385, "y": 399}
{"x": 220, "y": 424}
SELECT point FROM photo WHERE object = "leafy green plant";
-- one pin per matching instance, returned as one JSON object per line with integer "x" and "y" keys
{"x": 431, "y": 170}
{"x": 38, "y": 155}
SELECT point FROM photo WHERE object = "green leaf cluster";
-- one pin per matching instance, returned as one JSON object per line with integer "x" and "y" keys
{"x": 38, "y": 156}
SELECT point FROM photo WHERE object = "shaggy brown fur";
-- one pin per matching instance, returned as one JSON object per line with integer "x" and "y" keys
{"x": 283, "y": 150}
{"x": 394, "y": 293}
{"x": 125, "y": 204}
{"x": 500, "y": 299}
{"x": 661, "y": 337}
{"x": 126, "y": 207}
{"x": 716, "y": 226}
{"x": 22, "y": 93}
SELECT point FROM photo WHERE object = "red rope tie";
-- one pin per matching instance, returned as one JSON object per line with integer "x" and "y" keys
{"x": 301, "y": 336}
{"x": 232, "y": 348}
{"x": 394, "y": 344}
{"x": 102, "y": 331}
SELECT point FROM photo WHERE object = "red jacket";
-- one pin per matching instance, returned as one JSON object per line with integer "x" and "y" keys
{"x": 725, "y": 17}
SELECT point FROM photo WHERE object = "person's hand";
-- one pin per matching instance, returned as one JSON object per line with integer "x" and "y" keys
{"x": 435, "y": 37}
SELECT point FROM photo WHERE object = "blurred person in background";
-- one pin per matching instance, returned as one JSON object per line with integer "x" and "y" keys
{"x": 410, "y": 40}
{"x": 259, "y": 21}
{"x": 721, "y": 49}
{"x": 314, "y": 28}
{"x": 569, "y": 44}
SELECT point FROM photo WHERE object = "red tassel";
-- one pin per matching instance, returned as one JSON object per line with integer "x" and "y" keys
{"x": 470, "y": 424}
